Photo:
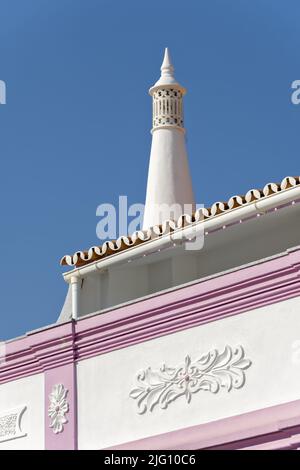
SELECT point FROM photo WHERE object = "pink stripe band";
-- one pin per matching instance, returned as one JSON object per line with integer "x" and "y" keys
{"x": 276, "y": 427}
{"x": 202, "y": 302}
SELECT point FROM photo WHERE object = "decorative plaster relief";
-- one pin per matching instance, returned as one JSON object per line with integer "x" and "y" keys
{"x": 10, "y": 424}
{"x": 58, "y": 408}
{"x": 210, "y": 372}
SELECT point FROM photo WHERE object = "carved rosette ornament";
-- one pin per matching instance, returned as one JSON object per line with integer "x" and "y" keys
{"x": 210, "y": 372}
{"x": 58, "y": 407}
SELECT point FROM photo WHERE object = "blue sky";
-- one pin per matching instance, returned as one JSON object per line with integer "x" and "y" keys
{"x": 75, "y": 130}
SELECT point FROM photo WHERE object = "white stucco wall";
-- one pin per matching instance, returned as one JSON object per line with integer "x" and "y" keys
{"x": 107, "y": 415}
{"x": 27, "y": 392}
{"x": 224, "y": 250}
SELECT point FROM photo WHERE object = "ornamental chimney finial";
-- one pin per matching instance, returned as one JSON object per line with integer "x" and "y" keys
{"x": 167, "y": 72}
{"x": 167, "y": 98}
{"x": 167, "y": 69}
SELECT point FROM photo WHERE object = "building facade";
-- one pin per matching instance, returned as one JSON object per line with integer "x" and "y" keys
{"x": 184, "y": 335}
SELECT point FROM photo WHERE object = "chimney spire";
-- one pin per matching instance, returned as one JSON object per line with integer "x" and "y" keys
{"x": 169, "y": 187}
{"x": 167, "y": 71}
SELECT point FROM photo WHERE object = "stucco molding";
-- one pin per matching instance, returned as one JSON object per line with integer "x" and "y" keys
{"x": 275, "y": 427}
{"x": 60, "y": 393}
{"x": 211, "y": 372}
{"x": 243, "y": 290}
{"x": 10, "y": 424}
{"x": 58, "y": 408}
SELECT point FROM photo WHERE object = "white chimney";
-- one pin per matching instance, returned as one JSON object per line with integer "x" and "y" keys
{"x": 169, "y": 187}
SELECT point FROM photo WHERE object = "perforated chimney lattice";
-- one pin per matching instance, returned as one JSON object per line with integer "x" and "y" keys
{"x": 167, "y": 108}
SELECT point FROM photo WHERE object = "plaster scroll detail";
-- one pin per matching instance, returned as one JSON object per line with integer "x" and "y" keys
{"x": 10, "y": 424}
{"x": 211, "y": 372}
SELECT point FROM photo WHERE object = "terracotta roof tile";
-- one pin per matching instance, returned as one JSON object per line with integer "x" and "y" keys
{"x": 81, "y": 258}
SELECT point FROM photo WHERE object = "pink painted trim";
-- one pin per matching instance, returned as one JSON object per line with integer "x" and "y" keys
{"x": 38, "y": 352}
{"x": 289, "y": 443}
{"x": 190, "y": 306}
{"x": 274, "y": 427}
{"x": 205, "y": 301}
{"x": 67, "y": 439}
